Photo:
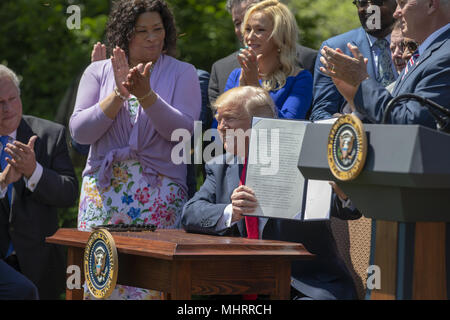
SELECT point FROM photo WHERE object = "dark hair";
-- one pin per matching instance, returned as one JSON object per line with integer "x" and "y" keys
{"x": 123, "y": 17}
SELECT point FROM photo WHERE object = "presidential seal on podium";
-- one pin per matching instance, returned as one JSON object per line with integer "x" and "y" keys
{"x": 101, "y": 264}
{"x": 347, "y": 147}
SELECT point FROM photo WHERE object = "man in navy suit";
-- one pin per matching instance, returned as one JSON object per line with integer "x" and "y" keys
{"x": 373, "y": 41}
{"x": 219, "y": 205}
{"x": 427, "y": 73}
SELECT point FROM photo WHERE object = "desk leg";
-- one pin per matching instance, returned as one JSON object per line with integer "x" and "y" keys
{"x": 75, "y": 257}
{"x": 181, "y": 281}
{"x": 429, "y": 277}
{"x": 282, "y": 281}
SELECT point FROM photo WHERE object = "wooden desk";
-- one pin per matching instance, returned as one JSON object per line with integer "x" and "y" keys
{"x": 181, "y": 264}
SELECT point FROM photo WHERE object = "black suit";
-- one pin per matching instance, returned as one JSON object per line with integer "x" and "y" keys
{"x": 222, "y": 68}
{"x": 325, "y": 277}
{"x": 33, "y": 215}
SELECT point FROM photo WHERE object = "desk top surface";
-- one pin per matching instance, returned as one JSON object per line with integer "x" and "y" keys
{"x": 177, "y": 244}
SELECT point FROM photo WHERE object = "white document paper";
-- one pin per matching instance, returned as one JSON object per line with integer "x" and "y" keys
{"x": 317, "y": 207}
{"x": 273, "y": 174}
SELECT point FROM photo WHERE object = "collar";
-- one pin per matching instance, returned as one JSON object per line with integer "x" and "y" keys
{"x": 428, "y": 41}
{"x": 372, "y": 39}
{"x": 13, "y": 134}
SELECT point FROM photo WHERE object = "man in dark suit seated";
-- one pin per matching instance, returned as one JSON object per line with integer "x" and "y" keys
{"x": 219, "y": 205}
{"x": 374, "y": 43}
{"x": 37, "y": 177}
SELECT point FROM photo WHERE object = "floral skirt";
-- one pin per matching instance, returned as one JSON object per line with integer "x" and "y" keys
{"x": 129, "y": 199}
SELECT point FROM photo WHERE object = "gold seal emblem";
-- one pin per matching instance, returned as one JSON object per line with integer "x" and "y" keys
{"x": 347, "y": 147}
{"x": 100, "y": 264}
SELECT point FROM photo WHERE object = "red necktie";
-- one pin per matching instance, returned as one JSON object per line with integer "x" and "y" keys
{"x": 250, "y": 222}
{"x": 252, "y": 228}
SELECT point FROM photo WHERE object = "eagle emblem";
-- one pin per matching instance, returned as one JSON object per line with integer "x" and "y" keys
{"x": 346, "y": 142}
{"x": 347, "y": 147}
{"x": 100, "y": 263}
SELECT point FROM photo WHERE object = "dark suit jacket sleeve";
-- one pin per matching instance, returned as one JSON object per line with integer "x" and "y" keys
{"x": 307, "y": 58}
{"x": 58, "y": 185}
{"x": 326, "y": 98}
{"x": 202, "y": 212}
{"x": 371, "y": 98}
{"x": 213, "y": 85}
{"x": 343, "y": 213}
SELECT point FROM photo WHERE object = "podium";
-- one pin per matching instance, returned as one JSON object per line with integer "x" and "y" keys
{"x": 405, "y": 188}
{"x": 181, "y": 264}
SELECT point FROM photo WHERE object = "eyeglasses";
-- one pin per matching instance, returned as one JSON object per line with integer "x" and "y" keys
{"x": 411, "y": 45}
{"x": 365, "y": 3}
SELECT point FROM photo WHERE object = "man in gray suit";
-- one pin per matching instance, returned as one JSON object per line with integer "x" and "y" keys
{"x": 222, "y": 68}
{"x": 219, "y": 205}
{"x": 36, "y": 178}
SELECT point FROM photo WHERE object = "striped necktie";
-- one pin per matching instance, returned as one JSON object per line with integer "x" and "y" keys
{"x": 411, "y": 63}
{"x": 3, "y": 141}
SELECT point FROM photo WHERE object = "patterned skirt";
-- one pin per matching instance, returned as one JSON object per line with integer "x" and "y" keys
{"x": 129, "y": 199}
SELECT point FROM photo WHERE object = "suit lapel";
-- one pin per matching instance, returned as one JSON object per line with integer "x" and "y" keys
{"x": 364, "y": 47}
{"x": 24, "y": 133}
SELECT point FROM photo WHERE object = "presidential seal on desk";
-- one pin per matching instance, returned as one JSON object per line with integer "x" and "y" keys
{"x": 100, "y": 264}
{"x": 347, "y": 147}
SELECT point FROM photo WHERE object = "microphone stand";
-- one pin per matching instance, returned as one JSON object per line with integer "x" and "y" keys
{"x": 443, "y": 121}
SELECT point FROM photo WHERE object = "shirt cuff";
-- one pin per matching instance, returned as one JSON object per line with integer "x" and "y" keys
{"x": 224, "y": 221}
{"x": 35, "y": 178}
{"x": 3, "y": 192}
{"x": 347, "y": 203}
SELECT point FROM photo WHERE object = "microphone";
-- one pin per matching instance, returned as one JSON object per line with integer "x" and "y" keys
{"x": 442, "y": 121}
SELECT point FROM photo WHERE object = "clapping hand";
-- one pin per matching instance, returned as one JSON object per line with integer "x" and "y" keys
{"x": 138, "y": 80}
{"x": 120, "y": 67}
{"x": 23, "y": 159}
{"x": 98, "y": 52}
{"x": 346, "y": 72}
{"x": 8, "y": 176}
{"x": 248, "y": 60}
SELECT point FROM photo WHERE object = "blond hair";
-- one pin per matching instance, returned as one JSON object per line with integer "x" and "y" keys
{"x": 285, "y": 36}
{"x": 255, "y": 101}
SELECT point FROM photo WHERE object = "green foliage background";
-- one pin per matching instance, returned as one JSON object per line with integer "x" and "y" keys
{"x": 36, "y": 43}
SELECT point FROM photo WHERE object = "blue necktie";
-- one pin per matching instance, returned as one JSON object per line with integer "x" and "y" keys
{"x": 385, "y": 72}
{"x": 3, "y": 142}
{"x": 4, "y": 155}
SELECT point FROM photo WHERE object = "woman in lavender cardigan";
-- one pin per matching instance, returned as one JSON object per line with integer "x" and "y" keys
{"x": 127, "y": 108}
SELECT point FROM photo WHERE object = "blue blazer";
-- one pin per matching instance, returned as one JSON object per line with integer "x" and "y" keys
{"x": 429, "y": 78}
{"x": 325, "y": 277}
{"x": 326, "y": 98}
